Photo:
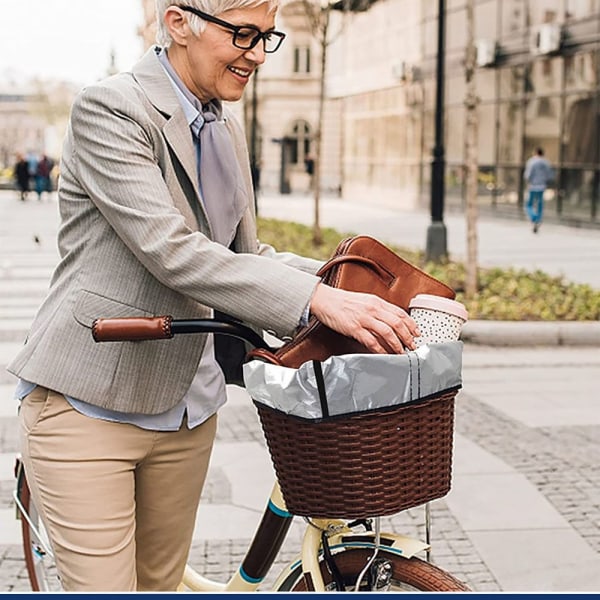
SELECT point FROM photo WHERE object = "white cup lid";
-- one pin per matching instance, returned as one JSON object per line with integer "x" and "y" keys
{"x": 446, "y": 305}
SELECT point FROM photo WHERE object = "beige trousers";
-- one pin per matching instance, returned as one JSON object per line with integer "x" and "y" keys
{"x": 119, "y": 502}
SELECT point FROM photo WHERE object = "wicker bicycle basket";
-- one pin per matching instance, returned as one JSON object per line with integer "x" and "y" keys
{"x": 360, "y": 465}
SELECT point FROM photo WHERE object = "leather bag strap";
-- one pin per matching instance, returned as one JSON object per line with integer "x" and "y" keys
{"x": 355, "y": 258}
{"x": 266, "y": 355}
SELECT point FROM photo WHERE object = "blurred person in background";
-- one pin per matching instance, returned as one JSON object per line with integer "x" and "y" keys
{"x": 538, "y": 174}
{"x": 43, "y": 176}
{"x": 21, "y": 175}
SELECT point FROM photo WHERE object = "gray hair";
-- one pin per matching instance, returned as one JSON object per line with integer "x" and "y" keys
{"x": 212, "y": 7}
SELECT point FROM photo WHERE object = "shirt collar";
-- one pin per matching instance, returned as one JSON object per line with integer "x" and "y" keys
{"x": 188, "y": 101}
{"x": 192, "y": 107}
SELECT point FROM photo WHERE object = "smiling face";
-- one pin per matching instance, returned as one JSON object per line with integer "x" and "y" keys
{"x": 209, "y": 64}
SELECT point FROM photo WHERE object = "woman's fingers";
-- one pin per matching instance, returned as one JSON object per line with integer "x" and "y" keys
{"x": 378, "y": 325}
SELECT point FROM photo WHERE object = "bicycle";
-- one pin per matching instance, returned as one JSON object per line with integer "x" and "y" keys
{"x": 337, "y": 554}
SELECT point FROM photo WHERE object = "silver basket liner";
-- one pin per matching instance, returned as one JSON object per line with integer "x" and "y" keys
{"x": 357, "y": 382}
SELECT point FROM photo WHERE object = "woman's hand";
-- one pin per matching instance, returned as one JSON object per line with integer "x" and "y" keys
{"x": 381, "y": 327}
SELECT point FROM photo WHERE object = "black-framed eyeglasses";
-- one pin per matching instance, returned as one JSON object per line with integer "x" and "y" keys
{"x": 245, "y": 37}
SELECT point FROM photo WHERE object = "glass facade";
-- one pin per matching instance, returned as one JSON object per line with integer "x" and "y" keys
{"x": 536, "y": 93}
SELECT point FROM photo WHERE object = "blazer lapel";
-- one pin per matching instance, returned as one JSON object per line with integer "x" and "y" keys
{"x": 150, "y": 75}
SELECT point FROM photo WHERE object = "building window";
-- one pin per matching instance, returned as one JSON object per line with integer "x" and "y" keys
{"x": 302, "y": 59}
{"x": 300, "y": 146}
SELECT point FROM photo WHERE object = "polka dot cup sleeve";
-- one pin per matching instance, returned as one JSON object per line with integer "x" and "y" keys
{"x": 439, "y": 319}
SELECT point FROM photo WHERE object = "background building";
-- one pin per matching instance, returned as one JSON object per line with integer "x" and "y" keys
{"x": 20, "y": 130}
{"x": 537, "y": 83}
{"x": 33, "y": 119}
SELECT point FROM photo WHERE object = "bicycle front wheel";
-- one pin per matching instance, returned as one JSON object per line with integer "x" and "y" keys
{"x": 405, "y": 574}
{"x": 36, "y": 545}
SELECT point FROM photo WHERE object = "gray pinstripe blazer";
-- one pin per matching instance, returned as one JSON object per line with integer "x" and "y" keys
{"x": 131, "y": 245}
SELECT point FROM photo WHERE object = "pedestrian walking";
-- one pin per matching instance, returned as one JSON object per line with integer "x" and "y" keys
{"x": 309, "y": 168}
{"x": 158, "y": 217}
{"x": 43, "y": 176}
{"x": 32, "y": 161}
{"x": 21, "y": 175}
{"x": 538, "y": 174}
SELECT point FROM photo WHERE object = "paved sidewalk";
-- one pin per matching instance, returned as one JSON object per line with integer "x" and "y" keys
{"x": 524, "y": 510}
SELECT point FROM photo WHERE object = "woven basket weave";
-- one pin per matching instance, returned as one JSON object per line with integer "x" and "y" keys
{"x": 365, "y": 464}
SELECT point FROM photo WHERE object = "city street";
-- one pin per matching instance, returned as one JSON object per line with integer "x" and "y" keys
{"x": 524, "y": 510}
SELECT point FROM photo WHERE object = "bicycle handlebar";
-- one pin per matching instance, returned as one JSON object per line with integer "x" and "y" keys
{"x": 137, "y": 329}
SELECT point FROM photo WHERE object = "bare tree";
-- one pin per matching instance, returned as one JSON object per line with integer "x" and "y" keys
{"x": 471, "y": 155}
{"x": 318, "y": 16}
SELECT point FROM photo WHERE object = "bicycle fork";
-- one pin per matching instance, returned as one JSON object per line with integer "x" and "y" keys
{"x": 323, "y": 537}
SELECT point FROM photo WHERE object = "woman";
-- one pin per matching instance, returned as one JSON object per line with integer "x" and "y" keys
{"x": 157, "y": 218}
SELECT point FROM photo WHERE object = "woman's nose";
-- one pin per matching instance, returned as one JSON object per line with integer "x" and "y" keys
{"x": 257, "y": 54}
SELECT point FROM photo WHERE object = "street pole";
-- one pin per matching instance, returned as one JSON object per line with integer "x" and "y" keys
{"x": 436, "y": 233}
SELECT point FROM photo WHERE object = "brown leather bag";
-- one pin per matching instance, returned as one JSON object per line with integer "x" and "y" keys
{"x": 359, "y": 264}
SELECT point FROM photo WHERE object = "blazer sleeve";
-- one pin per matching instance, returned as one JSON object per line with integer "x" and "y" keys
{"x": 117, "y": 154}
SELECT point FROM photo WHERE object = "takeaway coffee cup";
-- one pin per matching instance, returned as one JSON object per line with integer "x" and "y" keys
{"x": 439, "y": 319}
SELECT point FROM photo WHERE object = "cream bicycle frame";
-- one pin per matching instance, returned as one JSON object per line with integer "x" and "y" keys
{"x": 340, "y": 536}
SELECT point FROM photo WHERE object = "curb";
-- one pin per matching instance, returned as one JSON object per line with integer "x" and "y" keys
{"x": 532, "y": 333}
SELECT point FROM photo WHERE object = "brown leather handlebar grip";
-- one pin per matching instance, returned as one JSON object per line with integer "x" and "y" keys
{"x": 132, "y": 329}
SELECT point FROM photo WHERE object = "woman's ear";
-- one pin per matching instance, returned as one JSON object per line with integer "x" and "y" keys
{"x": 177, "y": 25}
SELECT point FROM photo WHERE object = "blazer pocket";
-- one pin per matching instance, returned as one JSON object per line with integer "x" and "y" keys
{"x": 90, "y": 306}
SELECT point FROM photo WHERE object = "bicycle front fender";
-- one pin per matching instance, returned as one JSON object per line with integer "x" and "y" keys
{"x": 312, "y": 552}
{"x": 399, "y": 544}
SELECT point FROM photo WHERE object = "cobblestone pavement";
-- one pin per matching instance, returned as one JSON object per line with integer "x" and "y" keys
{"x": 525, "y": 416}
{"x": 561, "y": 462}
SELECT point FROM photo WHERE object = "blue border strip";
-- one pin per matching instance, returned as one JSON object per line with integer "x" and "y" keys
{"x": 247, "y": 577}
{"x": 279, "y": 511}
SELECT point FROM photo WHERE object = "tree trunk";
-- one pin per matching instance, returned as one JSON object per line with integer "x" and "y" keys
{"x": 471, "y": 157}
{"x": 317, "y": 233}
